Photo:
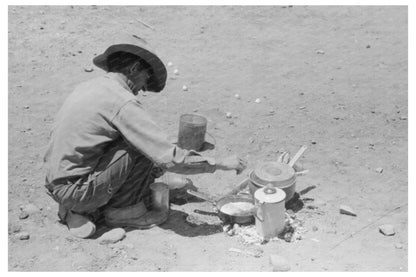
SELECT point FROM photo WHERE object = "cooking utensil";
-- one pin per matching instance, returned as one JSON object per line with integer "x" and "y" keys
{"x": 243, "y": 218}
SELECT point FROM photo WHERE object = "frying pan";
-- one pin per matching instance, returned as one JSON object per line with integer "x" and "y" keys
{"x": 244, "y": 218}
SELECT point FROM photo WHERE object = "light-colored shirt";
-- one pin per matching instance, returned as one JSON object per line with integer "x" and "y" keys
{"x": 101, "y": 111}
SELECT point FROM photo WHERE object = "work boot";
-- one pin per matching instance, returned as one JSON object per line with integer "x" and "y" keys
{"x": 145, "y": 221}
{"x": 79, "y": 226}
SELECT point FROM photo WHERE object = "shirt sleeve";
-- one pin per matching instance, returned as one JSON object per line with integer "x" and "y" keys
{"x": 138, "y": 128}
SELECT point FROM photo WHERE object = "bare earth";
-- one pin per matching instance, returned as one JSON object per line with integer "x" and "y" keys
{"x": 332, "y": 78}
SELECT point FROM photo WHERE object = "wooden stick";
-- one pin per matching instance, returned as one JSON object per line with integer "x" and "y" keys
{"x": 297, "y": 156}
{"x": 145, "y": 24}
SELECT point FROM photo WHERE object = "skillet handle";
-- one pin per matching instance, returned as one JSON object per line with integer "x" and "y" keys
{"x": 201, "y": 195}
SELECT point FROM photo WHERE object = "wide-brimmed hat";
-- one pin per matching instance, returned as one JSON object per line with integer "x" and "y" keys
{"x": 139, "y": 48}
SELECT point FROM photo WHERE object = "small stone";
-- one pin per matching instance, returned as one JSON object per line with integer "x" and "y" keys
{"x": 302, "y": 108}
{"x": 368, "y": 46}
{"x": 170, "y": 63}
{"x": 257, "y": 100}
{"x": 112, "y": 236}
{"x": 88, "y": 69}
{"x": 279, "y": 263}
{"x": 30, "y": 209}
{"x": 228, "y": 115}
{"x": 184, "y": 88}
{"x": 387, "y": 229}
{"x": 226, "y": 228}
{"x": 379, "y": 169}
{"x": 26, "y": 107}
{"x": 314, "y": 228}
{"x": 399, "y": 245}
{"x": 237, "y": 96}
{"x": 23, "y": 236}
{"x": 403, "y": 118}
{"x": 313, "y": 142}
{"x": 320, "y": 52}
{"x": 23, "y": 215}
{"x": 236, "y": 227}
{"x": 231, "y": 232}
{"x": 356, "y": 147}
{"x": 344, "y": 209}
{"x": 176, "y": 71}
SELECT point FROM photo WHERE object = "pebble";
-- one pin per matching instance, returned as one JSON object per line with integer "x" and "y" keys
{"x": 344, "y": 209}
{"x": 176, "y": 71}
{"x": 23, "y": 215}
{"x": 398, "y": 245}
{"x": 257, "y": 100}
{"x": 279, "y": 263}
{"x": 368, "y": 46}
{"x": 320, "y": 52}
{"x": 30, "y": 209}
{"x": 314, "y": 228}
{"x": 379, "y": 169}
{"x": 387, "y": 229}
{"x": 26, "y": 107}
{"x": 231, "y": 232}
{"x": 170, "y": 63}
{"x": 88, "y": 69}
{"x": 237, "y": 96}
{"x": 228, "y": 115}
{"x": 403, "y": 118}
{"x": 302, "y": 108}
{"x": 23, "y": 235}
{"x": 226, "y": 228}
{"x": 112, "y": 236}
{"x": 184, "y": 88}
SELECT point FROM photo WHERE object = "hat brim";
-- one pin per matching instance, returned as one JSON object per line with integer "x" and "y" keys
{"x": 158, "y": 79}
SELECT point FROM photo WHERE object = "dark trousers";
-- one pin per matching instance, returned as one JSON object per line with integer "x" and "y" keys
{"x": 121, "y": 178}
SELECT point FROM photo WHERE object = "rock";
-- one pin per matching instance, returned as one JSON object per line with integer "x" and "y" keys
{"x": 379, "y": 169}
{"x": 279, "y": 263}
{"x": 387, "y": 229}
{"x": 176, "y": 71}
{"x": 398, "y": 245}
{"x": 26, "y": 107}
{"x": 226, "y": 228}
{"x": 228, "y": 115}
{"x": 23, "y": 215}
{"x": 170, "y": 63}
{"x": 302, "y": 108}
{"x": 88, "y": 69}
{"x": 184, "y": 88}
{"x": 23, "y": 236}
{"x": 257, "y": 100}
{"x": 344, "y": 209}
{"x": 403, "y": 118}
{"x": 314, "y": 228}
{"x": 320, "y": 52}
{"x": 30, "y": 209}
{"x": 14, "y": 228}
{"x": 237, "y": 96}
{"x": 368, "y": 46}
{"x": 112, "y": 236}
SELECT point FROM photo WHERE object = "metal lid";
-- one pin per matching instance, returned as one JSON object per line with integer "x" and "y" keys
{"x": 270, "y": 194}
{"x": 274, "y": 172}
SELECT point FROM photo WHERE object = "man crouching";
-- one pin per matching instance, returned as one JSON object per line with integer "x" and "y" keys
{"x": 105, "y": 149}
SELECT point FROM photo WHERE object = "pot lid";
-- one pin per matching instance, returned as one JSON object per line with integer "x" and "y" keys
{"x": 270, "y": 194}
{"x": 274, "y": 172}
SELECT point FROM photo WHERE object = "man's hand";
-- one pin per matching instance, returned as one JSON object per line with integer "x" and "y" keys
{"x": 232, "y": 163}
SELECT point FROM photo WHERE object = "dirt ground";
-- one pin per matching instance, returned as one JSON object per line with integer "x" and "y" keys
{"x": 332, "y": 78}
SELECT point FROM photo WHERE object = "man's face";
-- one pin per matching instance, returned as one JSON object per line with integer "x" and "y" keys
{"x": 138, "y": 79}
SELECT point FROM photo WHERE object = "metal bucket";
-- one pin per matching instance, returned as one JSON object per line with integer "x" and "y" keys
{"x": 192, "y": 129}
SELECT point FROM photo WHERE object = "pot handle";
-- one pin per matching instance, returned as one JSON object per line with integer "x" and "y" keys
{"x": 254, "y": 212}
{"x": 202, "y": 196}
